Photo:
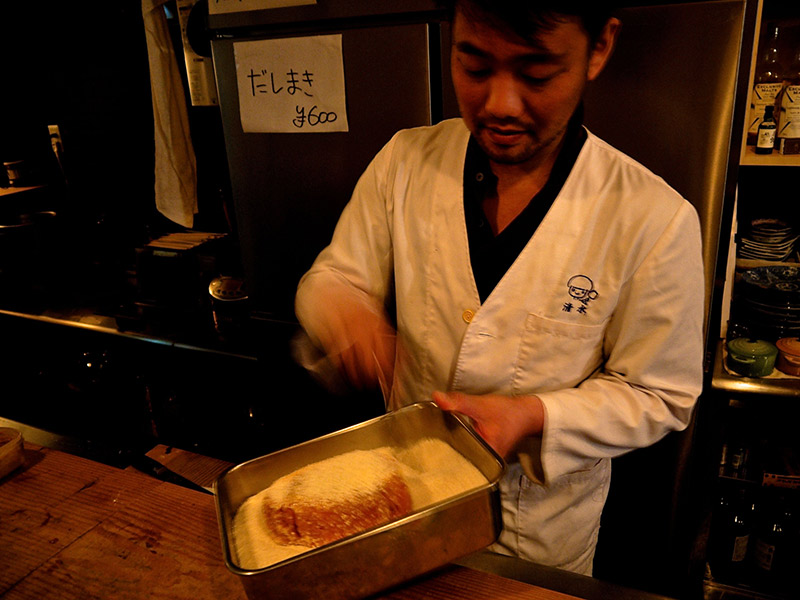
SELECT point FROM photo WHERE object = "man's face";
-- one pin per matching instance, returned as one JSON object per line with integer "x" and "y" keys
{"x": 516, "y": 96}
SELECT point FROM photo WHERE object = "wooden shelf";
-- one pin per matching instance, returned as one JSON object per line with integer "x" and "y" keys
{"x": 776, "y": 159}
{"x": 774, "y": 10}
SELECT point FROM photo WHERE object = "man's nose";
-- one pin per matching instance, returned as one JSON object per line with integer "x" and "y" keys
{"x": 504, "y": 99}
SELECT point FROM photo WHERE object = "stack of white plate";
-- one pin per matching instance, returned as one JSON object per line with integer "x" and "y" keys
{"x": 768, "y": 239}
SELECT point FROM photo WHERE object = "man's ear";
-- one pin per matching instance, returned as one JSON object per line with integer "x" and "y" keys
{"x": 603, "y": 48}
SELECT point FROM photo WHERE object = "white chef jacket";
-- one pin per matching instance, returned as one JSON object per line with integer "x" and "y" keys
{"x": 600, "y": 316}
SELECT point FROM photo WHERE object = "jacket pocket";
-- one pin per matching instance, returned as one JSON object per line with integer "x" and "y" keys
{"x": 560, "y": 523}
{"x": 556, "y": 355}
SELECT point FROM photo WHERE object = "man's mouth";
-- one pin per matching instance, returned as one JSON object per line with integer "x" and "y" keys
{"x": 504, "y": 136}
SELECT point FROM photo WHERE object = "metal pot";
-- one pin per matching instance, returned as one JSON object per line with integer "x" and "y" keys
{"x": 751, "y": 357}
{"x": 788, "y": 356}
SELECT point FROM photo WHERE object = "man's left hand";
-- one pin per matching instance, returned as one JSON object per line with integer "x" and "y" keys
{"x": 502, "y": 421}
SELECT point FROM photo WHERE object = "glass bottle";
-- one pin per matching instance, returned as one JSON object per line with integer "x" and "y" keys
{"x": 773, "y": 545}
{"x": 767, "y": 82}
{"x": 729, "y": 536}
{"x": 739, "y": 461}
{"x": 766, "y": 132}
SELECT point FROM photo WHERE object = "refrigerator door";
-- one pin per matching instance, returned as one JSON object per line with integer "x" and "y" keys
{"x": 674, "y": 98}
{"x": 289, "y": 188}
{"x": 668, "y": 99}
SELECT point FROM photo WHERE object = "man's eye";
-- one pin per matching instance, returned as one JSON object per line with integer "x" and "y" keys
{"x": 478, "y": 73}
{"x": 474, "y": 69}
{"x": 538, "y": 77}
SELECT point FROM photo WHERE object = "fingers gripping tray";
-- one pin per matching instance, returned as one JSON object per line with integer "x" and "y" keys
{"x": 452, "y": 514}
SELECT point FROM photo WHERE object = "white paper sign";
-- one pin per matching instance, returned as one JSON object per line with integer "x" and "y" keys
{"x": 217, "y": 7}
{"x": 291, "y": 85}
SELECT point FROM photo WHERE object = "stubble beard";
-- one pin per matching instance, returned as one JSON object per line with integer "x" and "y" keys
{"x": 532, "y": 149}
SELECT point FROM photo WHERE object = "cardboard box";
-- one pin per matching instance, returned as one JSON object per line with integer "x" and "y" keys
{"x": 789, "y": 145}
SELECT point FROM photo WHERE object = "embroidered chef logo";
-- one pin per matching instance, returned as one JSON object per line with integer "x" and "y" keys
{"x": 581, "y": 290}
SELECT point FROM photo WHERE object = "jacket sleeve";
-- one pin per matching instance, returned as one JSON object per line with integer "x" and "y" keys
{"x": 654, "y": 367}
{"x": 359, "y": 256}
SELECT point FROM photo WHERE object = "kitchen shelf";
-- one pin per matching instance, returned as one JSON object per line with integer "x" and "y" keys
{"x": 11, "y": 191}
{"x": 743, "y": 264}
{"x": 778, "y": 386}
{"x": 713, "y": 590}
{"x": 88, "y": 319}
{"x": 750, "y": 158}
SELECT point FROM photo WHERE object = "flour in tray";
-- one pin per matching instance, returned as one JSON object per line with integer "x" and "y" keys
{"x": 433, "y": 470}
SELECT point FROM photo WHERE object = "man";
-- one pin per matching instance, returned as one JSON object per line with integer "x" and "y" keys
{"x": 515, "y": 268}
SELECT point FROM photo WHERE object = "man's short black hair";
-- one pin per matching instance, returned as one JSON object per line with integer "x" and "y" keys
{"x": 528, "y": 18}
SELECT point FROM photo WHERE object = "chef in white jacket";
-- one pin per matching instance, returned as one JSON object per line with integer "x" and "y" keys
{"x": 517, "y": 269}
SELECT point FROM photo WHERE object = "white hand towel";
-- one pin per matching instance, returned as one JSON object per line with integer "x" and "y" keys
{"x": 175, "y": 166}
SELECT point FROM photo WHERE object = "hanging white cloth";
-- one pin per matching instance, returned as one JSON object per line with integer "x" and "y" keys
{"x": 175, "y": 166}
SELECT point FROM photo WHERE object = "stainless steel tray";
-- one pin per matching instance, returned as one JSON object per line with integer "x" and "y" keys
{"x": 374, "y": 560}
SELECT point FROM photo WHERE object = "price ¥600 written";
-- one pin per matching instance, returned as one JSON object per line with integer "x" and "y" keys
{"x": 313, "y": 118}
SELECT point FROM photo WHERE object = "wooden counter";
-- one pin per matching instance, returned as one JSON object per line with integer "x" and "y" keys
{"x": 74, "y": 528}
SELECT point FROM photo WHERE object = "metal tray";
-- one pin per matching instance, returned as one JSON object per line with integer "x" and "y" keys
{"x": 372, "y": 561}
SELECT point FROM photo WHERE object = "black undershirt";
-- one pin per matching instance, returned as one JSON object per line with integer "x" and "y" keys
{"x": 492, "y": 255}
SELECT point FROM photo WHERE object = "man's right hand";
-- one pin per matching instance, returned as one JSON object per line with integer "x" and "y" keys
{"x": 358, "y": 339}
